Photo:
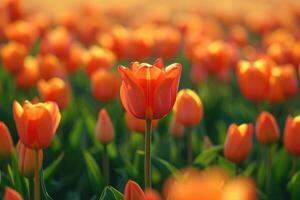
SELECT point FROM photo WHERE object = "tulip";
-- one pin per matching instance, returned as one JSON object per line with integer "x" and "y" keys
{"x": 29, "y": 74}
{"x": 36, "y": 123}
{"x": 198, "y": 74}
{"x": 133, "y": 191}
{"x": 267, "y": 130}
{"x": 14, "y": 9}
{"x": 239, "y": 189}
{"x": 27, "y": 159}
{"x": 188, "y": 108}
{"x": 290, "y": 80}
{"x": 176, "y": 128}
{"x": 11, "y": 194}
{"x": 137, "y": 125}
{"x": 55, "y": 90}
{"x": 6, "y": 143}
{"x": 74, "y": 59}
{"x": 104, "y": 129}
{"x": 152, "y": 195}
{"x": 292, "y": 135}
{"x": 50, "y": 67}
{"x": 238, "y": 142}
{"x": 13, "y": 55}
{"x": 276, "y": 92}
{"x": 105, "y": 85}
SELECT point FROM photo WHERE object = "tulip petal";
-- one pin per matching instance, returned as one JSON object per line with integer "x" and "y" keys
{"x": 133, "y": 191}
{"x": 159, "y": 63}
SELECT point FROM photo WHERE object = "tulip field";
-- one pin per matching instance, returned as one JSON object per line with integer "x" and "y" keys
{"x": 149, "y": 100}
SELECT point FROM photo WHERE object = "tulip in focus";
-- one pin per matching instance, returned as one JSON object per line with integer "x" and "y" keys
{"x": 238, "y": 144}
{"x": 133, "y": 191}
{"x": 267, "y": 130}
{"x": 56, "y": 90}
{"x": 11, "y": 194}
{"x": 104, "y": 129}
{"x": 36, "y": 123}
{"x": 137, "y": 125}
{"x": 27, "y": 159}
{"x": 292, "y": 135}
{"x": 6, "y": 143}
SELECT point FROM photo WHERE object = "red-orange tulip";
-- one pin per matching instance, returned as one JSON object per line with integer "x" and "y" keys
{"x": 27, "y": 159}
{"x": 149, "y": 91}
{"x": 29, "y": 74}
{"x": 267, "y": 130}
{"x": 137, "y": 125}
{"x": 292, "y": 135}
{"x": 290, "y": 80}
{"x": 36, "y": 123}
{"x": 105, "y": 85}
{"x": 105, "y": 131}
{"x": 74, "y": 59}
{"x": 240, "y": 188}
{"x": 14, "y": 9}
{"x": 6, "y": 143}
{"x": 133, "y": 191}
{"x": 152, "y": 195}
{"x": 11, "y": 194}
{"x": 56, "y": 90}
{"x": 188, "y": 108}
{"x": 276, "y": 87}
{"x": 51, "y": 67}
{"x": 238, "y": 142}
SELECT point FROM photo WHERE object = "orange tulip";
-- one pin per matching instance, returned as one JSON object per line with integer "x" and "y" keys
{"x": 267, "y": 130}
{"x": 137, "y": 125}
{"x": 290, "y": 80}
{"x": 11, "y": 194}
{"x": 239, "y": 189}
{"x": 105, "y": 85}
{"x": 51, "y": 67}
{"x": 276, "y": 87}
{"x": 36, "y": 123}
{"x": 292, "y": 135}
{"x": 6, "y": 143}
{"x": 105, "y": 131}
{"x": 27, "y": 159}
{"x": 29, "y": 74}
{"x": 133, "y": 191}
{"x": 14, "y": 9}
{"x": 188, "y": 108}
{"x": 152, "y": 195}
{"x": 13, "y": 55}
{"x": 56, "y": 90}
{"x": 149, "y": 91}
{"x": 74, "y": 59}
{"x": 254, "y": 79}
{"x": 98, "y": 58}
{"x": 176, "y": 128}
{"x": 238, "y": 142}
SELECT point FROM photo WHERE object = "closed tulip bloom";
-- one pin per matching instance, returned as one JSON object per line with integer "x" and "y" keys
{"x": 176, "y": 128}
{"x": 133, "y": 191}
{"x": 27, "y": 159}
{"x": 50, "y": 67}
{"x": 267, "y": 130}
{"x": 13, "y": 55}
{"x": 137, "y": 125}
{"x": 149, "y": 91}
{"x": 253, "y": 79}
{"x": 11, "y": 194}
{"x": 188, "y": 108}
{"x": 276, "y": 88}
{"x": 292, "y": 135}
{"x": 105, "y": 85}
{"x": 152, "y": 195}
{"x": 290, "y": 80}
{"x": 105, "y": 131}
{"x": 56, "y": 90}
{"x": 74, "y": 59}
{"x": 29, "y": 74}
{"x": 6, "y": 143}
{"x": 36, "y": 123}
{"x": 238, "y": 142}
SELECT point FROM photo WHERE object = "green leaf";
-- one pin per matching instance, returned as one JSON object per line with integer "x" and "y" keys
{"x": 208, "y": 156}
{"x": 250, "y": 169}
{"x": 294, "y": 185}
{"x": 227, "y": 165}
{"x": 110, "y": 193}
{"x": 50, "y": 170}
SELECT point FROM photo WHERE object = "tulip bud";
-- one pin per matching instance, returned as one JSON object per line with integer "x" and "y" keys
{"x": 11, "y": 194}
{"x": 292, "y": 135}
{"x": 276, "y": 91}
{"x": 104, "y": 129}
{"x": 133, "y": 191}
{"x": 6, "y": 143}
{"x": 27, "y": 159}
{"x": 137, "y": 125}
{"x": 176, "y": 129}
{"x": 105, "y": 85}
{"x": 188, "y": 108}
{"x": 55, "y": 90}
{"x": 238, "y": 142}
{"x": 267, "y": 130}
{"x": 152, "y": 195}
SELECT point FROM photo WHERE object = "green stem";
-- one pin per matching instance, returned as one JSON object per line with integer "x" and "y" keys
{"x": 106, "y": 164}
{"x": 37, "y": 193}
{"x": 237, "y": 171}
{"x": 294, "y": 166}
{"x": 269, "y": 170}
{"x": 148, "y": 153}
{"x": 189, "y": 146}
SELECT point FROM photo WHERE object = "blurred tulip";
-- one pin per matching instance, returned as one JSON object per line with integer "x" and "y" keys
{"x": 36, "y": 123}
{"x": 238, "y": 144}
{"x": 149, "y": 91}
{"x": 14, "y": 9}
{"x": 292, "y": 135}
{"x": 50, "y": 67}
{"x": 56, "y": 90}
{"x": 74, "y": 60}
{"x": 176, "y": 128}
{"x": 198, "y": 74}
{"x": 253, "y": 79}
{"x": 13, "y": 55}
{"x": 105, "y": 131}
{"x": 188, "y": 108}
{"x": 98, "y": 58}
{"x": 276, "y": 87}
{"x": 6, "y": 143}
{"x": 238, "y": 34}
{"x": 267, "y": 130}
{"x": 11, "y": 194}
{"x": 239, "y": 189}
{"x": 41, "y": 21}
{"x": 133, "y": 191}
{"x": 105, "y": 85}
{"x": 290, "y": 80}
{"x": 137, "y": 125}
{"x": 27, "y": 159}
{"x": 152, "y": 195}
{"x": 29, "y": 74}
